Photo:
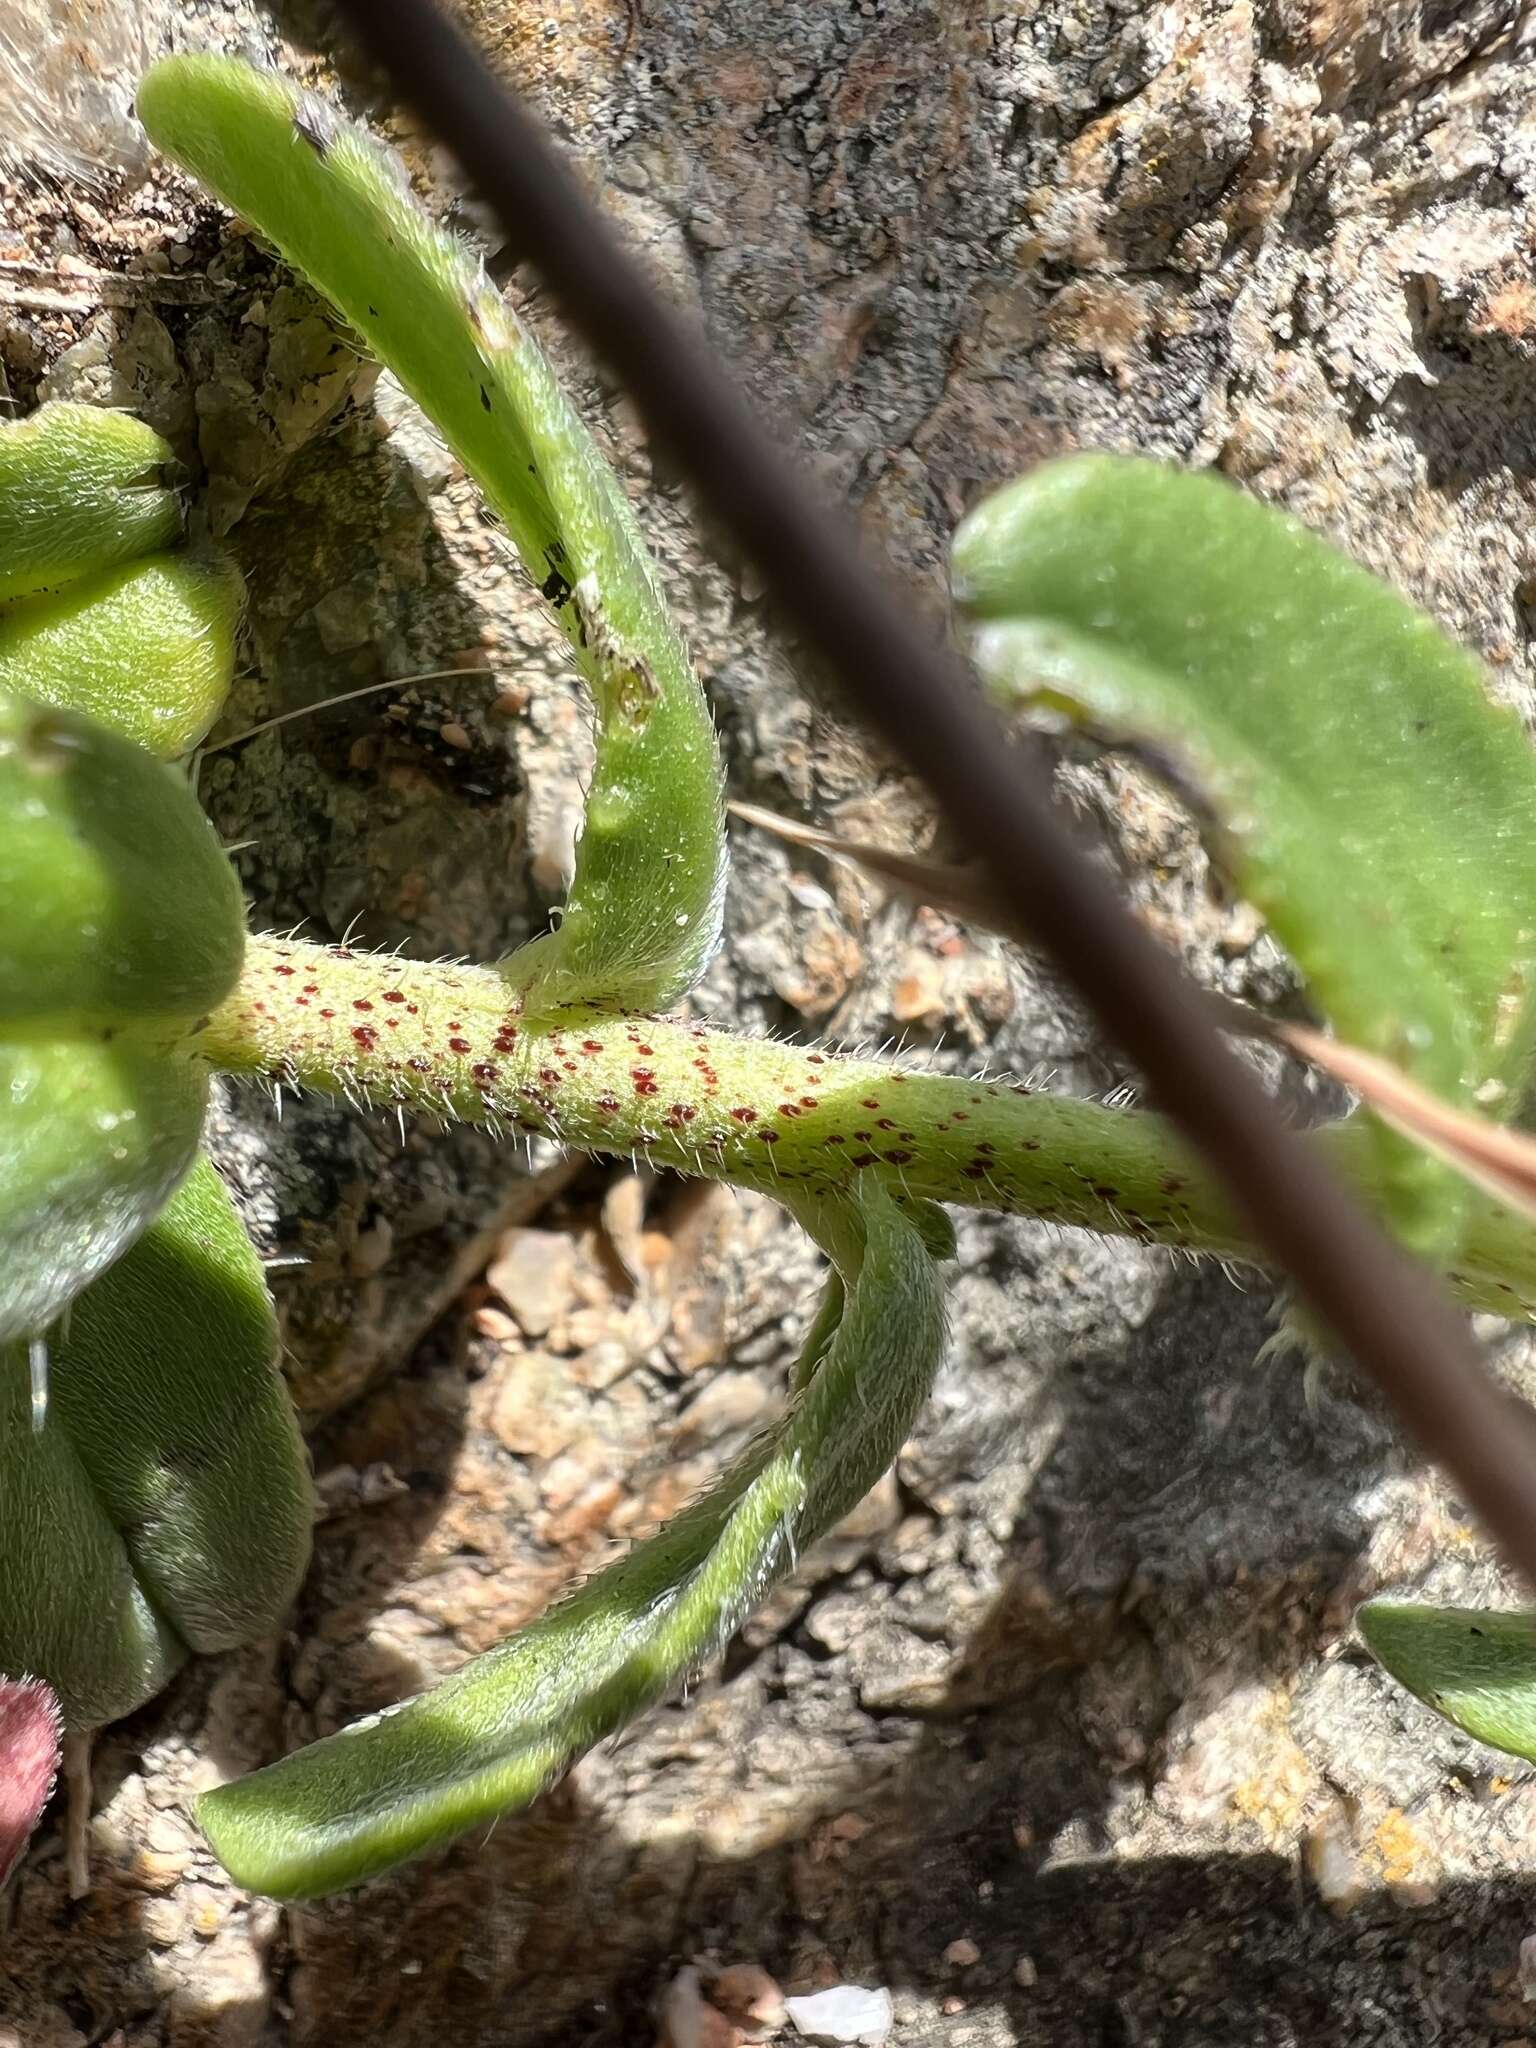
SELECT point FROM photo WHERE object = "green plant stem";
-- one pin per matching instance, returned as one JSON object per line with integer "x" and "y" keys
{"x": 787, "y": 1120}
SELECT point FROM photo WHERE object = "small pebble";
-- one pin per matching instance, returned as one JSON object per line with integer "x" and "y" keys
{"x": 848, "y": 2012}
{"x": 747, "y": 1994}
{"x": 688, "y": 2020}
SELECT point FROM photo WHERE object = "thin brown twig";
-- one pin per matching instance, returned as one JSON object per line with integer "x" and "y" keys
{"x": 44, "y": 288}
{"x": 1384, "y": 1309}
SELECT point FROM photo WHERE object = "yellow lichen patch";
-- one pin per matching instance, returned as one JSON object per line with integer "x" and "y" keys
{"x": 1276, "y": 1797}
{"x": 1399, "y": 1852}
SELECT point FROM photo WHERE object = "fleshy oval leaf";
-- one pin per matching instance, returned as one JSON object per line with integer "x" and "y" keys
{"x": 1373, "y": 801}
{"x": 71, "y": 1608}
{"x": 94, "y": 1139}
{"x": 1475, "y": 1666}
{"x": 80, "y": 489}
{"x": 120, "y": 906}
{"x": 166, "y": 1380}
{"x": 165, "y": 1502}
{"x": 147, "y": 648}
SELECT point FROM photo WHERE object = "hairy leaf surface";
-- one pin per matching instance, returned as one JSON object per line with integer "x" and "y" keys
{"x": 1371, "y": 799}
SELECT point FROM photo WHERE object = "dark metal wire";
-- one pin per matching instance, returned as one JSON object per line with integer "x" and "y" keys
{"x": 1385, "y": 1310}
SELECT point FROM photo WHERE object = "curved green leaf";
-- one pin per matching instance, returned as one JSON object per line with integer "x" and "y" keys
{"x": 490, "y": 1738}
{"x": 165, "y": 1502}
{"x": 71, "y": 1608}
{"x": 1476, "y": 1667}
{"x": 167, "y": 1382}
{"x": 1374, "y": 803}
{"x": 80, "y": 489}
{"x": 643, "y": 910}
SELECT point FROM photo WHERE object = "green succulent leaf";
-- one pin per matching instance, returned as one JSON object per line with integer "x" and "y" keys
{"x": 1476, "y": 1667}
{"x": 122, "y": 925}
{"x": 643, "y": 910}
{"x": 487, "y": 1740}
{"x": 120, "y": 907}
{"x": 148, "y": 648}
{"x": 70, "y": 1605}
{"x": 95, "y": 1138}
{"x": 1373, "y": 802}
{"x": 165, "y": 1503}
{"x": 80, "y": 489}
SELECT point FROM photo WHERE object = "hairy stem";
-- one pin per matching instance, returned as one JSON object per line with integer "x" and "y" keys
{"x": 787, "y": 1120}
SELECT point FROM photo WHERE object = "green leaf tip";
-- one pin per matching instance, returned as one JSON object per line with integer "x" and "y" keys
{"x": 644, "y": 907}
{"x": 96, "y": 1139}
{"x": 1373, "y": 801}
{"x": 1474, "y": 1666}
{"x": 80, "y": 490}
{"x": 486, "y": 1741}
{"x": 147, "y": 647}
{"x": 121, "y": 908}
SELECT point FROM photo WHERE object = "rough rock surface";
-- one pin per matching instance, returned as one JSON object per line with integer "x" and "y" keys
{"x": 1064, "y": 1739}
